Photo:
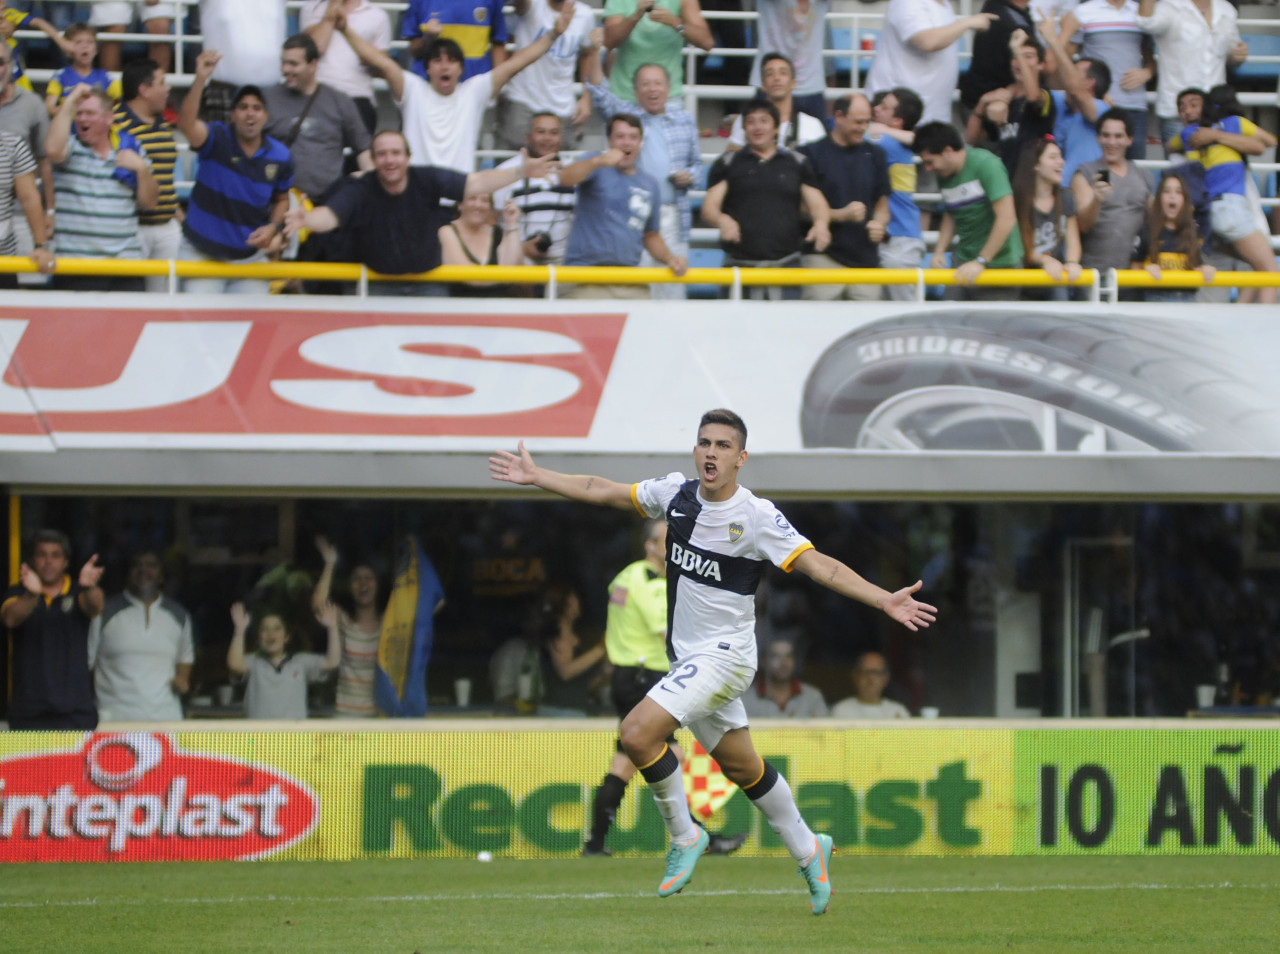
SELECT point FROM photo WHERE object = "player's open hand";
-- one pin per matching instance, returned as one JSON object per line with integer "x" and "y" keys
{"x": 30, "y": 580}
{"x": 903, "y": 607}
{"x": 515, "y": 468}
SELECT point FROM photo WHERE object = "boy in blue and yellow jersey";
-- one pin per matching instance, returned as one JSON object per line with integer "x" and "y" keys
{"x": 894, "y": 114}
{"x": 82, "y": 50}
{"x": 12, "y": 20}
{"x": 1221, "y": 149}
{"x": 478, "y": 26}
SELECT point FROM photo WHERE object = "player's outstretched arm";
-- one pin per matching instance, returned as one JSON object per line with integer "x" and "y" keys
{"x": 519, "y": 468}
{"x": 901, "y": 606}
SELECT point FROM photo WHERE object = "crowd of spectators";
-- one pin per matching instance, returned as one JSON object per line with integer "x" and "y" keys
{"x": 284, "y": 132}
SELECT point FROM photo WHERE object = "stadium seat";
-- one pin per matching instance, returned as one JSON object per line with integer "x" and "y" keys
{"x": 1260, "y": 44}
{"x": 705, "y": 258}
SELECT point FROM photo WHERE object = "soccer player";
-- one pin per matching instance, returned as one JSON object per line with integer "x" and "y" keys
{"x": 719, "y": 536}
{"x": 635, "y": 638}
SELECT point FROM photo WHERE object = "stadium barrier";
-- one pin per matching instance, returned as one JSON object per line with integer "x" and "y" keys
{"x": 1101, "y": 286}
{"x": 523, "y": 789}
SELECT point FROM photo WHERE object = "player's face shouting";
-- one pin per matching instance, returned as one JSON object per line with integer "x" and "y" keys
{"x": 718, "y": 455}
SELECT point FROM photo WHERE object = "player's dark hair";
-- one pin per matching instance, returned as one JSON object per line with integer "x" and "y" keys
{"x": 762, "y": 106}
{"x": 1120, "y": 116}
{"x": 442, "y": 48}
{"x": 651, "y": 528}
{"x": 631, "y": 119}
{"x": 51, "y": 536}
{"x": 136, "y": 74}
{"x": 303, "y": 42}
{"x": 726, "y": 417}
{"x": 936, "y": 138}
{"x": 78, "y": 28}
{"x": 1100, "y": 73}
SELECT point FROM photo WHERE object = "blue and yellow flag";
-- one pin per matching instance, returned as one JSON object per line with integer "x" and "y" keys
{"x": 408, "y": 628}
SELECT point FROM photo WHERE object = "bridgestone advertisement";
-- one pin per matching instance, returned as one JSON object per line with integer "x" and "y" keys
{"x": 1016, "y": 398}
{"x": 909, "y": 789}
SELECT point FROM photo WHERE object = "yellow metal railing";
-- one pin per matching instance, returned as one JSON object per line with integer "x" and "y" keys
{"x": 1102, "y": 286}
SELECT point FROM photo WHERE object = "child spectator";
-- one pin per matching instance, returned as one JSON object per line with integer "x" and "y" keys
{"x": 83, "y": 43}
{"x": 276, "y": 678}
{"x": 12, "y": 20}
{"x": 1046, "y": 218}
{"x": 1172, "y": 241}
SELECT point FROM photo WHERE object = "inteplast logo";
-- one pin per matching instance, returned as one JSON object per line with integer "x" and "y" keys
{"x": 136, "y": 797}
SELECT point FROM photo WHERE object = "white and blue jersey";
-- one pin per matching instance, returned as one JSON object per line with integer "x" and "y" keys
{"x": 716, "y": 554}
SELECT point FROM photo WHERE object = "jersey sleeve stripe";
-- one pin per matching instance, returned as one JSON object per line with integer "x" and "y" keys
{"x": 635, "y": 499}
{"x": 787, "y": 563}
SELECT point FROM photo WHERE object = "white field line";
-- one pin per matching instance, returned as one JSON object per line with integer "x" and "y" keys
{"x": 614, "y": 895}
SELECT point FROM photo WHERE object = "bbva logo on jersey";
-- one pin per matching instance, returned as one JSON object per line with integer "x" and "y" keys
{"x": 695, "y": 563}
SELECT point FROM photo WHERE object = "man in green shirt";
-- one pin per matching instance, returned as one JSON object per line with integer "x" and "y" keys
{"x": 979, "y": 210}
{"x": 635, "y": 638}
{"x": 652, "y": 31}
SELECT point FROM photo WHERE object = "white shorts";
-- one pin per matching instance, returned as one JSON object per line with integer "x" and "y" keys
{"x": 1232, "y": 217}
{"x": 703, "y": 692}
{"x": 117, "y": 13}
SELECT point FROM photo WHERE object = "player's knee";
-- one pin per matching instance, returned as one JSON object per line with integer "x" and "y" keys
{"x": 638, "y": 741}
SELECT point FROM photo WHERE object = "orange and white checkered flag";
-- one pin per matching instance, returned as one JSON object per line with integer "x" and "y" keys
{"x": 704, "y": 784}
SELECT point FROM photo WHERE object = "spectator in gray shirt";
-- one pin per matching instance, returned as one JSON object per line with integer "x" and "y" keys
{"x": 777, "y": 693}
{"x": 275, "y": 676}
{"x": 1112, "y": 196}
{"x": 315, "y": 121}
{"x": 22, "y": 113}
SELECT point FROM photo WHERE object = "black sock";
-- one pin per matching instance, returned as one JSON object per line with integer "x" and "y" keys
{"x": 604, "y": 809}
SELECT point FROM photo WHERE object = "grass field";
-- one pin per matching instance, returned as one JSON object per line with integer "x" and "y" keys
{"x": 895, "y": 905}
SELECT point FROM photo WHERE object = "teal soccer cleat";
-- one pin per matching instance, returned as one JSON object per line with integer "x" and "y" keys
{"x": 681, "y": 860}
{"x": 816, "y": 875}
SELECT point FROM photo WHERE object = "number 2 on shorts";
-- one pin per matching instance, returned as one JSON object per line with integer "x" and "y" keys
{"x": 688, "y": 672}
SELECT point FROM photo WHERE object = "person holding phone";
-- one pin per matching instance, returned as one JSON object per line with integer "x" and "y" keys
{"x": 1112, "y": 196}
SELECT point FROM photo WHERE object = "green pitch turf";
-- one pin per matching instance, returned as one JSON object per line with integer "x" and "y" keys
{"x": 892, "y": 905}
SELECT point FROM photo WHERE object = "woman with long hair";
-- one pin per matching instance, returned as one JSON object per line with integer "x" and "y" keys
{"x": 1172, "y": 241}
{"x": 474, "y": 238}
{"x": 359, "y": 626}
{"x": 1046, "y": 217}
{"x": 1224, "y": 139}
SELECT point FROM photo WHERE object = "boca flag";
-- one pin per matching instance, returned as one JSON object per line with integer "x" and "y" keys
{"x": 704, "y": 784}
{"x": 408, "y": 629}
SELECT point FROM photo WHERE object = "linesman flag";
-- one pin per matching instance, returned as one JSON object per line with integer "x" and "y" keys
{"x": 408, "y": 629}
{"x": 704, "y": 783}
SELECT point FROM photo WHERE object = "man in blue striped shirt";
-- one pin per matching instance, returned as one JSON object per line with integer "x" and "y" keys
{"x": 241, "y": 193}
{"x": 101, "y": 180}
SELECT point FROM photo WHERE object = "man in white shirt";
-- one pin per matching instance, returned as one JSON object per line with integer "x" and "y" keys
{"x": 442, "y": 116}
{"x": 339, "y": 65}
{"x": 778, "y": 83}
{"x": 797, "y": 30}
{"x": 140, "y": 649}
{"x": 870, "y": 676}
{"x": 547, "y": 85}
{"x": 1195, "y": 39}
{"x": 919, "y": 48}
{"x": 248, "y": 34}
